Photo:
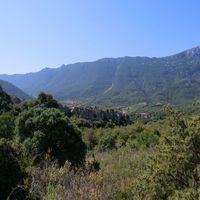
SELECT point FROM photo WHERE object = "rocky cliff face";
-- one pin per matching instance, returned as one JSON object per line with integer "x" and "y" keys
{"x": 192, "y": 52}
{"x": 96, "y": 114}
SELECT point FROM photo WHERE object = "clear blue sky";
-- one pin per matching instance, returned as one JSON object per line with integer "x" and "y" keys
{"x": 47, "y": 33}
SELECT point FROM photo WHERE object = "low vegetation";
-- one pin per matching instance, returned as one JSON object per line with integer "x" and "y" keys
{"x": 48, "y": 153}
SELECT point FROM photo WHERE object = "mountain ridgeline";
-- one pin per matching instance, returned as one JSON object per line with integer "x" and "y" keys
{"x": 121, "y": 81}
{"x": 13, "y": 90}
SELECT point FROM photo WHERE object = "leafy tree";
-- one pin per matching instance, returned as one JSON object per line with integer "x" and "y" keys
{"x": 10, "y": 170}
{"x": 7, "y": 126}
{"x": 47, "y": 101}
{"x": 49, "y": 132}
{"x": 24, "y": 105}
{"x": 174, "y": 172}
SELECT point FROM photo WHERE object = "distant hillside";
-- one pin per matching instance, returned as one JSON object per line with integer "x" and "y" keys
{"x": 121, "y": 81}
{"x": 13, "y": 90}
{"x": 5, "y": 101}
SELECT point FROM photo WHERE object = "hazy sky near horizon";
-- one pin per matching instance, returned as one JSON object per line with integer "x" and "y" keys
{"x": 48, "y": 33}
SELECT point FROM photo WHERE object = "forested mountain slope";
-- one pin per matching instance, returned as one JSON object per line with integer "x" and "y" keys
{"x": 121, "y": 81}
{"x": 13, "y": 90}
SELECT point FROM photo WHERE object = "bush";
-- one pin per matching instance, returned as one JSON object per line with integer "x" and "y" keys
{"x": 7, "y": 126}
{"x": 107, "y": 141}
{"x": 47, "y": 101}
{"x": 148, "y": 139}
{"x": 174, "y": 172}
{"x": 90, "y": 139}
{"x": 133, "y": 136}
{"x": 49, "y": 132}
{"x": 10, "y": 171}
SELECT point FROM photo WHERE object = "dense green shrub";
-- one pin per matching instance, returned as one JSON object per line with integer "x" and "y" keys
{"x": 49, "y": 132}
{"x": 174, "y": 172}
{"x": 7, "y": 126}
{"x": 148, "y": 138}
{"x": 44, "y": 101}
{"x": 106, "y": 142}
{"x": 133, "y": 136}
{"x": 47, "y": 101}
{"x": 10, "y": 171}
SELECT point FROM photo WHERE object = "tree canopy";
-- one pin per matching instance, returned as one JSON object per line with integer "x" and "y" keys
{"x": 174, "y": 170}
{"x": 49, "y": 132}
{"x": 10, "y": 171}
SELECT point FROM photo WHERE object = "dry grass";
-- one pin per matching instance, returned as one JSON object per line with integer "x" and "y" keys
{"x": 119, "y": 170}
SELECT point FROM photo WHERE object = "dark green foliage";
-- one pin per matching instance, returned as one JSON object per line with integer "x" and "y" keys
{"x": 85, "y": 123}
{"x": 24, "y": 105}
{"x": 134, "y": 136}
{"x": 10, "y": 170}
{"x": 43, "y": 101}
{"x": 48, "y": 131}
{"x": 146, "y": 160}
{"x": 7, "y": 126}
{"x": 47, "y": 101}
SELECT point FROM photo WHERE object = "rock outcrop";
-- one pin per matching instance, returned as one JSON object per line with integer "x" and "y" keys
{"x": 96, "y": 114}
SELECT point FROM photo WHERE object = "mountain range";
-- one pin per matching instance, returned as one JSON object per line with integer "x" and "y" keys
{"x": 13, "y": 90}
{"x": 119, "y": 81}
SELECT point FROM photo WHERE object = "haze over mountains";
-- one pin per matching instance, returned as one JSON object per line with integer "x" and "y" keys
{"x": 13, "y": 90}
{"x": 119, "y": 81}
